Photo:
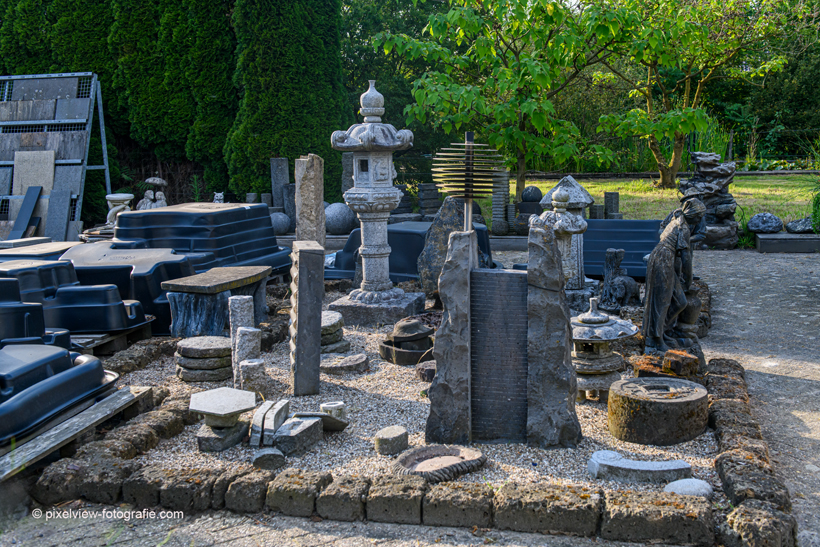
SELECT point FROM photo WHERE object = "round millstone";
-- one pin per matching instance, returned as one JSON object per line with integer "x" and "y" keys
{"x": 391, "y": 440}
{"x": 332, "y": 337}
{"x": 331, "y": 322}
{"x": 205, "y": 363}
{"x": 203, "y": 347}
{"x": 438, "y": 463}
{"x": 215, "y": 375}
{"x": 690, "y": 487}
{"x": 354, "y": 363}
{"x": 342, "y": 346}
{"x": 657, "y": 411}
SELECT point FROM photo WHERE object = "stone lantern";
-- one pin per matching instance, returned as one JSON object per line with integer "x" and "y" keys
{"x": 372, "y": 198}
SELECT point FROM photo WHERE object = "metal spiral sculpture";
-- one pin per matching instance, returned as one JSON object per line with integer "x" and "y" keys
{"x": 468, "y": 172}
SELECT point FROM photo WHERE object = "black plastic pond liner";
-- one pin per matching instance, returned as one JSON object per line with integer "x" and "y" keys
{"x": 406, "y": 240}
{"x": 69, "y": 305}
{"x": 211, "y": 234}
{"x": 37, "y": 383}
{"x": 22, "y": 322}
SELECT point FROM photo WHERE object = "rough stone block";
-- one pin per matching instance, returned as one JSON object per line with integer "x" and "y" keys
{"x": 726, "y": 367}
{"x": 758, "y": 524}
{"x": 165, "y": 424}
{"x": 332, "y": 338}
{"x": 180, "y": 407}
{"x": 609, "y": 465}
{"x": 307, "y": 291}
{"x": 384, "y": 313}
{"x": 141, "y": 489}
{"x": 396, "y": 499}
{"x": 141, "y": 436}
{"x": 680, "y": 363}
{"x": 391, "y": 440}
{"x": 293, "y": 492}
{"x": 308, "y": 173}
{"x": 344, "y": 499}
{"x": 202, "y": 363}
{"x": 723, "y": 387}
{"x": 247, "y": 493}
{"x": 109, "y": 448}
{"x": 59, "y": 482}
{"x": 215, "y": 375}
{"x": 248, "y": 346}
{"x": 258, "y": 422}
{"x": 188, "y": 490}
{"x": 354, "y": 363}
{"x": 657, "y": 517}
{"x": 211, "y": 439}
{"x": 734, "y": 441}
{"x": 253, "y": 377}
{"x": 426, "y": 371}
{"x": 545, "y": 508}
{"x": 222, "y": 483}
{"x": 744, "y": 477}
{"x": 274, "y": 420}
{"x": 332, "y": 321}
{"x": 297, "y": 435}
{"x": 204, "y": 347}
{"x": 268, "y": 458}
{"x": 342, "y": 346}
{"x": 102, "y": 478}
{"x": 458, "y": 504}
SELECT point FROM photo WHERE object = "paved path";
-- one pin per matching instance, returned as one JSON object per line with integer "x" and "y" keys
{"x": 766, "y": 314}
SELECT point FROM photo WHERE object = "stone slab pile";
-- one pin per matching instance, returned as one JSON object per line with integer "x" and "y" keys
{"x": 711, "y": 182}
{"x": 430, "y": 201}
{"x": 204, "y": 359}
{"x": 333, "y": 333}
{"x": 222, "y": 409}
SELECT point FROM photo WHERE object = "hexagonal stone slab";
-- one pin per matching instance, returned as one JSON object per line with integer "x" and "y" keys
{"x": 205, "y": 347}
{"x": 223, "y": 406}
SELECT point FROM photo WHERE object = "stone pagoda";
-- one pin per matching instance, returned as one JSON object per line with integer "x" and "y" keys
{"x": 372, "y": 198}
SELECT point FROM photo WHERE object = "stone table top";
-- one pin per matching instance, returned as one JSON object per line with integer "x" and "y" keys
{"x": 217, "y": 280}
{"x": 223, "y": 401}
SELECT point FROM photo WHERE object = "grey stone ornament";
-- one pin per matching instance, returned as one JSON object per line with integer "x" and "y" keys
{"x": 439, "y": 463}
{"x": 764, "y": 223}
{"x": 281, "y": 223}
{"x": 531, "y": 194}
{"x": 339, "y": 219}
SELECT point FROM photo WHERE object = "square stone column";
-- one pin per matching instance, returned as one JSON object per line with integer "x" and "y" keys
{"x": 307, "y": 291}
{"x": 279, "y": 177}
{"x": 310, "y": 199}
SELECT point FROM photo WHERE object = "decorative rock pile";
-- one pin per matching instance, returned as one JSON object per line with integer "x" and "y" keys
{"x": 204, "y": 359}
{"x": 710, "y": 183}
{"x": 429, "y": 201}
{"x": 333, "y": 334}
{"x": 222, "y": 409}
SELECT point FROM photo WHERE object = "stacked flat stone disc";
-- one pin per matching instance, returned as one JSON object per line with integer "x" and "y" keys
{"x": 204, "y": 359}
{"x": 333, "y": 334}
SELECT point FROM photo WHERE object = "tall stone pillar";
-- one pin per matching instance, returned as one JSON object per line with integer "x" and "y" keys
{"x": 307, "y": 291}
{"x": 309, "y": 172}
{"x": 279, "y": 177}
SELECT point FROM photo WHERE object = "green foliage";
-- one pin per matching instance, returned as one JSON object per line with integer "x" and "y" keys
{"x": 213, "y": 50}
{"x": 815, "y": 208}
{"x": 24, "y": 40}
{"x": 292, "y": 98}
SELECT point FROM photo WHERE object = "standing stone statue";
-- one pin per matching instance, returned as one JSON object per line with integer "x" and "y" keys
{"x": 310, "y": 211}
{"x": 710, "y": 184}
{"x": 618, "y": 288}
{"x": 146, "y": 202}
{"x": 669, "y": 275}
{"x": 159, "y": 201}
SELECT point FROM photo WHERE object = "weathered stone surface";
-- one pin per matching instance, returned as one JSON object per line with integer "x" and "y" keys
{"x": 340, "y": 219}
{"x": 343, "y": 499}
{"x": 165, "y": 424}
{"x": 331, "y": 322}
{"x": 347, "y": 171}
{"x": 551, "y": 383}
{"x": 458, "y": 504}
{"x": 332, "y": 338}
{"x": 281, "y": 223}
{"x": 764, "y": 223}
{"x": 188, "y": 490}
{"x": 102, "y": 478}
{"x": 307, "y": 291}
{"x": 343, "y": 346}
{"x": 196, "y": 314}
{"x": 141, "y": 489}
{"x": 568, "y": 229}
{"x": 210, "y": 439}
{"x": 396, "y": 499}
{"x": 734, "y": 441}
{"x": 293, "y": 492}
{"x": 449, "y": 421}
{"x": 141, "y": 436}
{"x": 802, "y": 226}
{"x": 725, "y": 387}
{"x": 268, "y": 458}
{"x": 359, "y": 362}
{"x": 274, "y": 420}
{"x": 297, "y": 436}
{"x": 426, "y": 371}
{"x": 690, "y": 487}
{"x": 680, "y": 362}
{"x": 248, "y": 345}
{"x": 180, "y": 407}
{"x": 221, "y": 484}
{"x": 391, "y": 440}
{"x": 579, "y": 198}
{"x": 744, "y": 476}
{"x": 337, "y": 409}
{"x": 279, "y": 177}
{"x": 757, "y": 523}
{"x": 207, "y": 363}
{"x": 378, "y": 313}
{"x": 110, "y": 448}
{"x": 289, "y": 194}
{"x": 609, "y": 465}
{"x": 247, "y": 493}
{"x": 258, "y": 423}
{"x": 215, "y": 375}
{"x": 449, "y": 219}
{"x": 223, "y": 406}
{"x": 657, "y": 517}
{"x": 329, "y": 422}
{"x": 254, "y": 377}
{"x": 726, "y": 367}
{"x": 204, "y": 347}
{"x": 545, "y": 508}
{"x": 310, "y": 190}
{"x": 531, "y": 194}
{"x": 59, "y": 482}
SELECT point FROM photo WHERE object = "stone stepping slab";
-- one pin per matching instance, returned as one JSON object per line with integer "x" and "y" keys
{"x": 609, "y": 465}
{"x": 205, "y": 363}
{"x": 202, "y": 347}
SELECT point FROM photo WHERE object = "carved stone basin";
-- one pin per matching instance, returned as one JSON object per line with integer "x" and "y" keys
{"x": 438, "y": 463}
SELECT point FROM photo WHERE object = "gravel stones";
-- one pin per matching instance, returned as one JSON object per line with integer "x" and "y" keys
{"x": 690, "y": 487}
{"x": 610, "y": 465}
{"x": 396, "y": 499}
{"x": 764, "y": 223}
{"x": 359, "y": 362}
{"x": 223, "y": 406}
{"x": 344, "y": 499}
{"x": 458, "y": 504}
{"x": 531, "y": 194}
{"x": 217, "y": 439}
{"x": 391, "y": 440}
{"x": 298, "y": 435}
{"x": 293, "y": 492}
{"x": 802, "y": 226}
{"x": 649, "y": 516}
{"x": 340, "y": 219}
{"x": 203, "y": 347}
{"x": 268, "y": 458}
{"x": 547, "y": 508}
{"x": 657, "y": 411}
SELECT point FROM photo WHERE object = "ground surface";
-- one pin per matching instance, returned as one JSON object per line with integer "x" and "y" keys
{"x": 766, "y": 314}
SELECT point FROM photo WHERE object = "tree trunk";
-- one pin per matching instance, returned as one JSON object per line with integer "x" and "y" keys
{"x": 520, "y": 179}
{"x": 668, "y": 169}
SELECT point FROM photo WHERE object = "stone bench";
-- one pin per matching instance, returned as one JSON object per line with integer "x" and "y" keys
{"x": 199, "y": 303}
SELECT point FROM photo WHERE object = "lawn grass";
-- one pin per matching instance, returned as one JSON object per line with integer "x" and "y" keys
{"x": 786, "y": 196}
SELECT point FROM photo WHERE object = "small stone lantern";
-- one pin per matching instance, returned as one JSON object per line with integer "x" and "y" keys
{"x": 372, "y": 198}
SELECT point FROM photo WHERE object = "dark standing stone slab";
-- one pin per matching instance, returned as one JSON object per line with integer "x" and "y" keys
{"x": 5, "y": 181}
{"x": 307, "y": 291}
{"x": 72, "y": 109}
{"x": 596, "y": 211}
{"x": 278, "y": 178}
{"x": 68, "y": 177}
{"x": 611, "y": 203}
{"x": 289, "y": 195}
{"x": 26, "y": 210}
{"x": 59, "y": 211}
{"x": 195, "y": 314}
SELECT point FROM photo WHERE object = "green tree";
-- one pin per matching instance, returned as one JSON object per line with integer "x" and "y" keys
{"x": 499, "y": 63}
{"x": 24, "y": 38}
{"x": 291, "y": 94}
{"x": 209, "y": 75}
{"x": 681, "y": 46}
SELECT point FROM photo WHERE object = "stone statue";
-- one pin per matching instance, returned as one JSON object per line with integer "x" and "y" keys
{"x": 618, "y": 288}
{"x": 710, "y": 184}
{"x": 160, "y": 201}
{"x": 219, "y": 197}
{"x": 668, "y": 276}
{"x": 117, "y": 203}
{"x": 146, "y": 202}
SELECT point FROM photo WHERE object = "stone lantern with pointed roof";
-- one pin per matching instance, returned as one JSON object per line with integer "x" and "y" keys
{"x": 372, "y": 198}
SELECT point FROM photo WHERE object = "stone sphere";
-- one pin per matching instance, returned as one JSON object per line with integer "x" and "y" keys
{"x": 764, "y": 223}
{"x": 500, "y": 227}
{"x": 339, "y": 219}
{"x": 326, "y": 204}
{"x": 531, "y": 194}
{"x": 522, "y": 224}
{"x": 281, "y": 223}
